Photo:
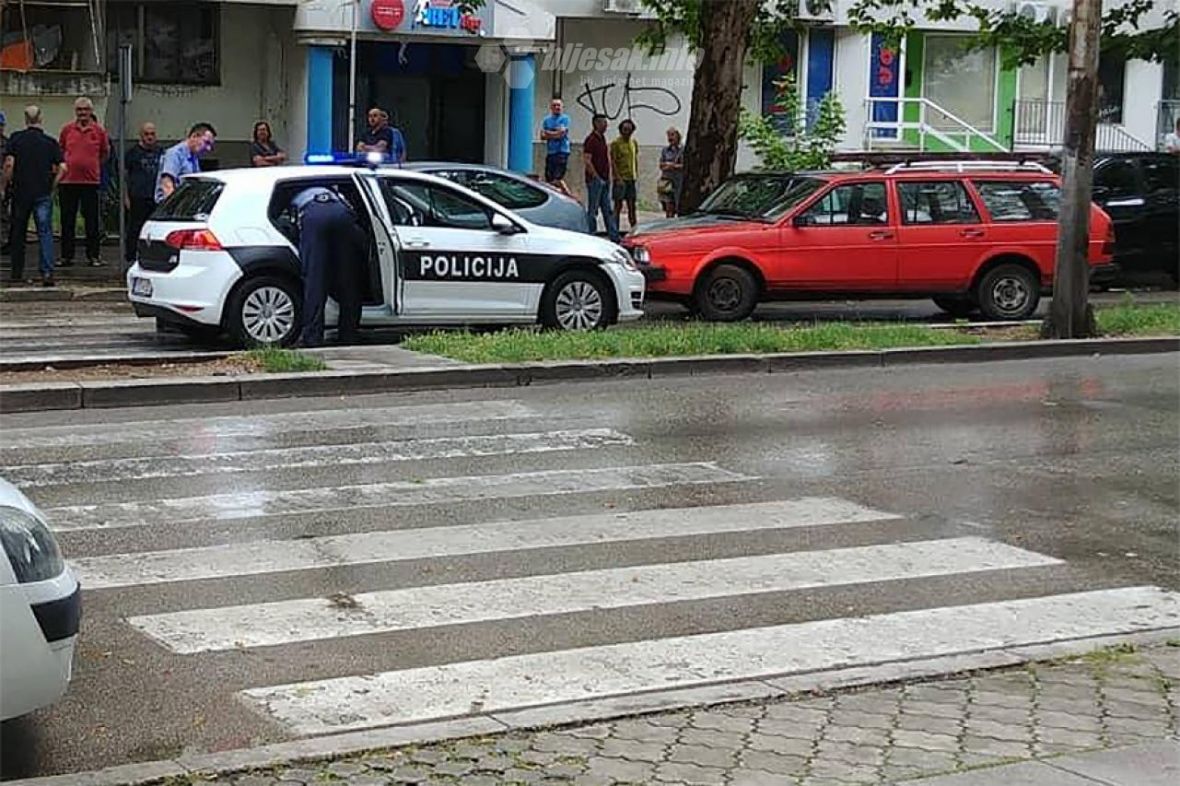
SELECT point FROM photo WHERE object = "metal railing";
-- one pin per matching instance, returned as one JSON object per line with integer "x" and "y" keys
{"x": 1042, "y": 124}
{"x": 933, "y": 122}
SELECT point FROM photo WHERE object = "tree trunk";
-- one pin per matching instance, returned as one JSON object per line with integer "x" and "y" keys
{"x": 1070, "y": 315}
{"x": 710, "y": 148}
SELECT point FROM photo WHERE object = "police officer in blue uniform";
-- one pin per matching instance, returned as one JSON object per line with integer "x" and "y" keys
{"x": 332, "y": 253}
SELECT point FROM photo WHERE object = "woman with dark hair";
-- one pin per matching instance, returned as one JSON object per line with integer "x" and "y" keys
{"x": 263, "y": 150}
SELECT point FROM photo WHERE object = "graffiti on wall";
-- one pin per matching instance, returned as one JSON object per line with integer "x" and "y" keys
{"x": 616, "y": 101}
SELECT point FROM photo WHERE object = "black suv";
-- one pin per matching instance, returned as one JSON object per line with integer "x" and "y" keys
{"x": 1141, "y": 193}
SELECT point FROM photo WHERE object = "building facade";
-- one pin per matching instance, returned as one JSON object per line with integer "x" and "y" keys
{"x": 473, "y": 83}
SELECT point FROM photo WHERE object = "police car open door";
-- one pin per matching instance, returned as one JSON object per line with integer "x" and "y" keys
{"x": 391, "y": 284}
{"x": 459, "y": 256}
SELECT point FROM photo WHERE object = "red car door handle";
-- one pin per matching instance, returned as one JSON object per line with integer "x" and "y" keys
{"x": 880, "y": 235}
{"x": 972, "y": 233}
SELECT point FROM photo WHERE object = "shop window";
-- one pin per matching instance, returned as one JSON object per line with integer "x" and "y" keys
{"x": 1112, "y": 72}
{"x": 49, "y": 36}
{"x": 961, "y": 81}
{"x": 177, "y": 43}
{"x": 786, "y": 65}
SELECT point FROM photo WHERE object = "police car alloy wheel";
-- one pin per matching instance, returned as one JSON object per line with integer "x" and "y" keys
{"x": 577, "y": 300}
{"x": 265, "y": 311}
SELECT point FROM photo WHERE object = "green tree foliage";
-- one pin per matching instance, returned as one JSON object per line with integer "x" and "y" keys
{"x": 782, "y": 139}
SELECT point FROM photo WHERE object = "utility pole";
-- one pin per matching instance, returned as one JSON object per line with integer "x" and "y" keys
{"x": 1070, "y": 315}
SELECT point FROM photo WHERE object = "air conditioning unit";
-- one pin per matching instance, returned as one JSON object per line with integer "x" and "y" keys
{"x": 1039, "y": 13}
{"x": 629, "y": 7}
{"x": 816, "y": 11}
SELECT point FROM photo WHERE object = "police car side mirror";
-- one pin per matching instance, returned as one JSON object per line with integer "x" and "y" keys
{"x": 504, "y": 226}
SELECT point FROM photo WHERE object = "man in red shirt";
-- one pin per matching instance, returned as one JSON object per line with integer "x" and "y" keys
{"x": 596, "y": 156}
{"x": 85, "y": 146}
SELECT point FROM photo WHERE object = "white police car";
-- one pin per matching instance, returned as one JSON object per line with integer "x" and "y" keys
{"x": 40, "y": 609}
{"x": 220, "y": 255}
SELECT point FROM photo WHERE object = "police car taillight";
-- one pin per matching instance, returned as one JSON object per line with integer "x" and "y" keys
{"x": 193, "y": 239}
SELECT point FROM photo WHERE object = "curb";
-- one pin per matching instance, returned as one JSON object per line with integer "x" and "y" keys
{"x": 768, "y": 688}
{"x": 38, "y": 397}
{"x": 60, "y": 295}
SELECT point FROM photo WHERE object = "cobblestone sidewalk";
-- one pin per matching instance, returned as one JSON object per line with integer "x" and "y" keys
{"x": 1108, "y": 699}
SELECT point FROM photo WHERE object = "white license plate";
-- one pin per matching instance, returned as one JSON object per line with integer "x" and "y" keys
{"x": 141, "y": 287}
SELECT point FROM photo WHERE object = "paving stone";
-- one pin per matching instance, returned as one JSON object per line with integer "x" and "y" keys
{"x": 1045, "y": 749}
{"x": 936, "y": 694}
{"x": 756, "y": 778}
{"x": 409, "y": 775}
{"x": 368, "y": 780}
{"x": 598, "y": 732}
{"x": 703, "y": 755}
{"x": 848, "y": 773}
{"x": 990, "y": 698}
{"x": 782, "y": 728}
{"x": 1153, "y": 698}
{"x": 554, "y": 742}
{"x": 590, "y": 780}
{"x": 1083, "y": 707}
{"x": 1133, "y": 711}
{"x": 1142, "y": 728}
{"x": 480, "y": 780}
{"x": 386, "y": 763}
{"x": 642, "y": 731}
{"x": 676, "y": 719}
{"x": 712, "y": 738}
{"x": 565, "y": 770}
{"x": 1070, "y": 673}
{"x": 990, "y": 747}
{"x": 748, "y": 711}
{"x": 515, "y": 743}
{"x": 1068, "y": 720}
{"x": 456, "y": 768}
{"x": 427, "y": 756}
{"x": 715, "y": 721}
{"x": 775, "y": 763}
{"x": 620, "y": 770}
{"x": 998, "y": 731}
{"x": 925, "y": 741}
{"x": 892, "y": 773}
{"x": 882, "y": 703}
{"x": 1005, "y": 681}
{"x": 933, "y": 709}
{"x": 518, "y": 775}
{"x": 976, "y": 760}
{"x": 849, "y": 753}
{"x": 857, "y": 735}
{"x": 633, "y": 750}
{"x": 998, "y": 714}
{"x": 537, "y": 758}
{"x": 1070, "y": 692}
{"x": 808, "y": 716}
{"x": 1166, "y": 661}
{"x": 300, "y": 775}
{"x": 345, "y": 769}
{"x": 928, "y": 724}
{"x": 864, "y": 720}
{"x": 925, "y": 760}
{"x": 255, "y": 780}
{"x": 783, "y": 745}
{"x": 1079, "y": 739}
{"x": 690, "y": 773}
{"x": 494, "y": 762}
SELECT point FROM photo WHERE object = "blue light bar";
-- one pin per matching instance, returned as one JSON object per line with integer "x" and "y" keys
{"x": 352, "y": 159}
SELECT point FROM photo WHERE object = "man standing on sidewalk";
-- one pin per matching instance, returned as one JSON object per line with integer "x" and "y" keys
{"x": 184, "y": 158}
{"x": 596, "y": 157}
{"x": 85, "y": 146}
{"x": 32, "y": 168}
{"x": 143, "y": 164}
{"x": 555, "y": 130}
{"x": 5, "y": 196}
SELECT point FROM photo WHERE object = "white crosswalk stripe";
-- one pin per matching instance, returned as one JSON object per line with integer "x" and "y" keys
{"x": 318, "y": 455}
{"x": 545, "y": 483}
{"x": 357, "y": 702}
{"x": 286, "y": 622}
{"x": 544, "y": 566}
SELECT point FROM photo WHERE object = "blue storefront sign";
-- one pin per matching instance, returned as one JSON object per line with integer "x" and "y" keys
{"x": 445, "y": 15}
{"x": 884, "y": 82}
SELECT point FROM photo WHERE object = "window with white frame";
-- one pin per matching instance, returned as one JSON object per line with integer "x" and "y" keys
{"x": 960, "y": 80}
{"x": 177, "y": 43}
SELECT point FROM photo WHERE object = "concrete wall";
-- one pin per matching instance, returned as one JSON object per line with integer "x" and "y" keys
{"x": 257, "y": 70}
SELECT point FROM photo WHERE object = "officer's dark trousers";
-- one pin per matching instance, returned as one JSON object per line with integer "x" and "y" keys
{"x": 328, "y": 253}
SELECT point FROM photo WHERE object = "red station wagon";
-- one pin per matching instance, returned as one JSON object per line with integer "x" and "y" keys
{"x": 969, "y": 236}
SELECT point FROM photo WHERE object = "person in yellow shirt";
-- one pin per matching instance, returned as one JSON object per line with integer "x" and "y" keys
{"x": 624, "y": 157}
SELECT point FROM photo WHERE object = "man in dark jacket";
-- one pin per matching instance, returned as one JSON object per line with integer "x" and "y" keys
{"x": 143, "y": 166}
{"x": 332, "y": 254}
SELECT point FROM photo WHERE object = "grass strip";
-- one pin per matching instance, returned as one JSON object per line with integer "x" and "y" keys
{"x": 671, "y": 340}
{"x": 275, "y": 360}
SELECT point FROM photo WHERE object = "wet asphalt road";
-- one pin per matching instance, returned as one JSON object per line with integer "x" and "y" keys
{"x": 90, "y": 329}
{"x": 1063, "y": 472}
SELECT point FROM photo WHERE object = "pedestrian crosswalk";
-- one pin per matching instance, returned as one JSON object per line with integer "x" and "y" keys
{"x": 666, "y": 583}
